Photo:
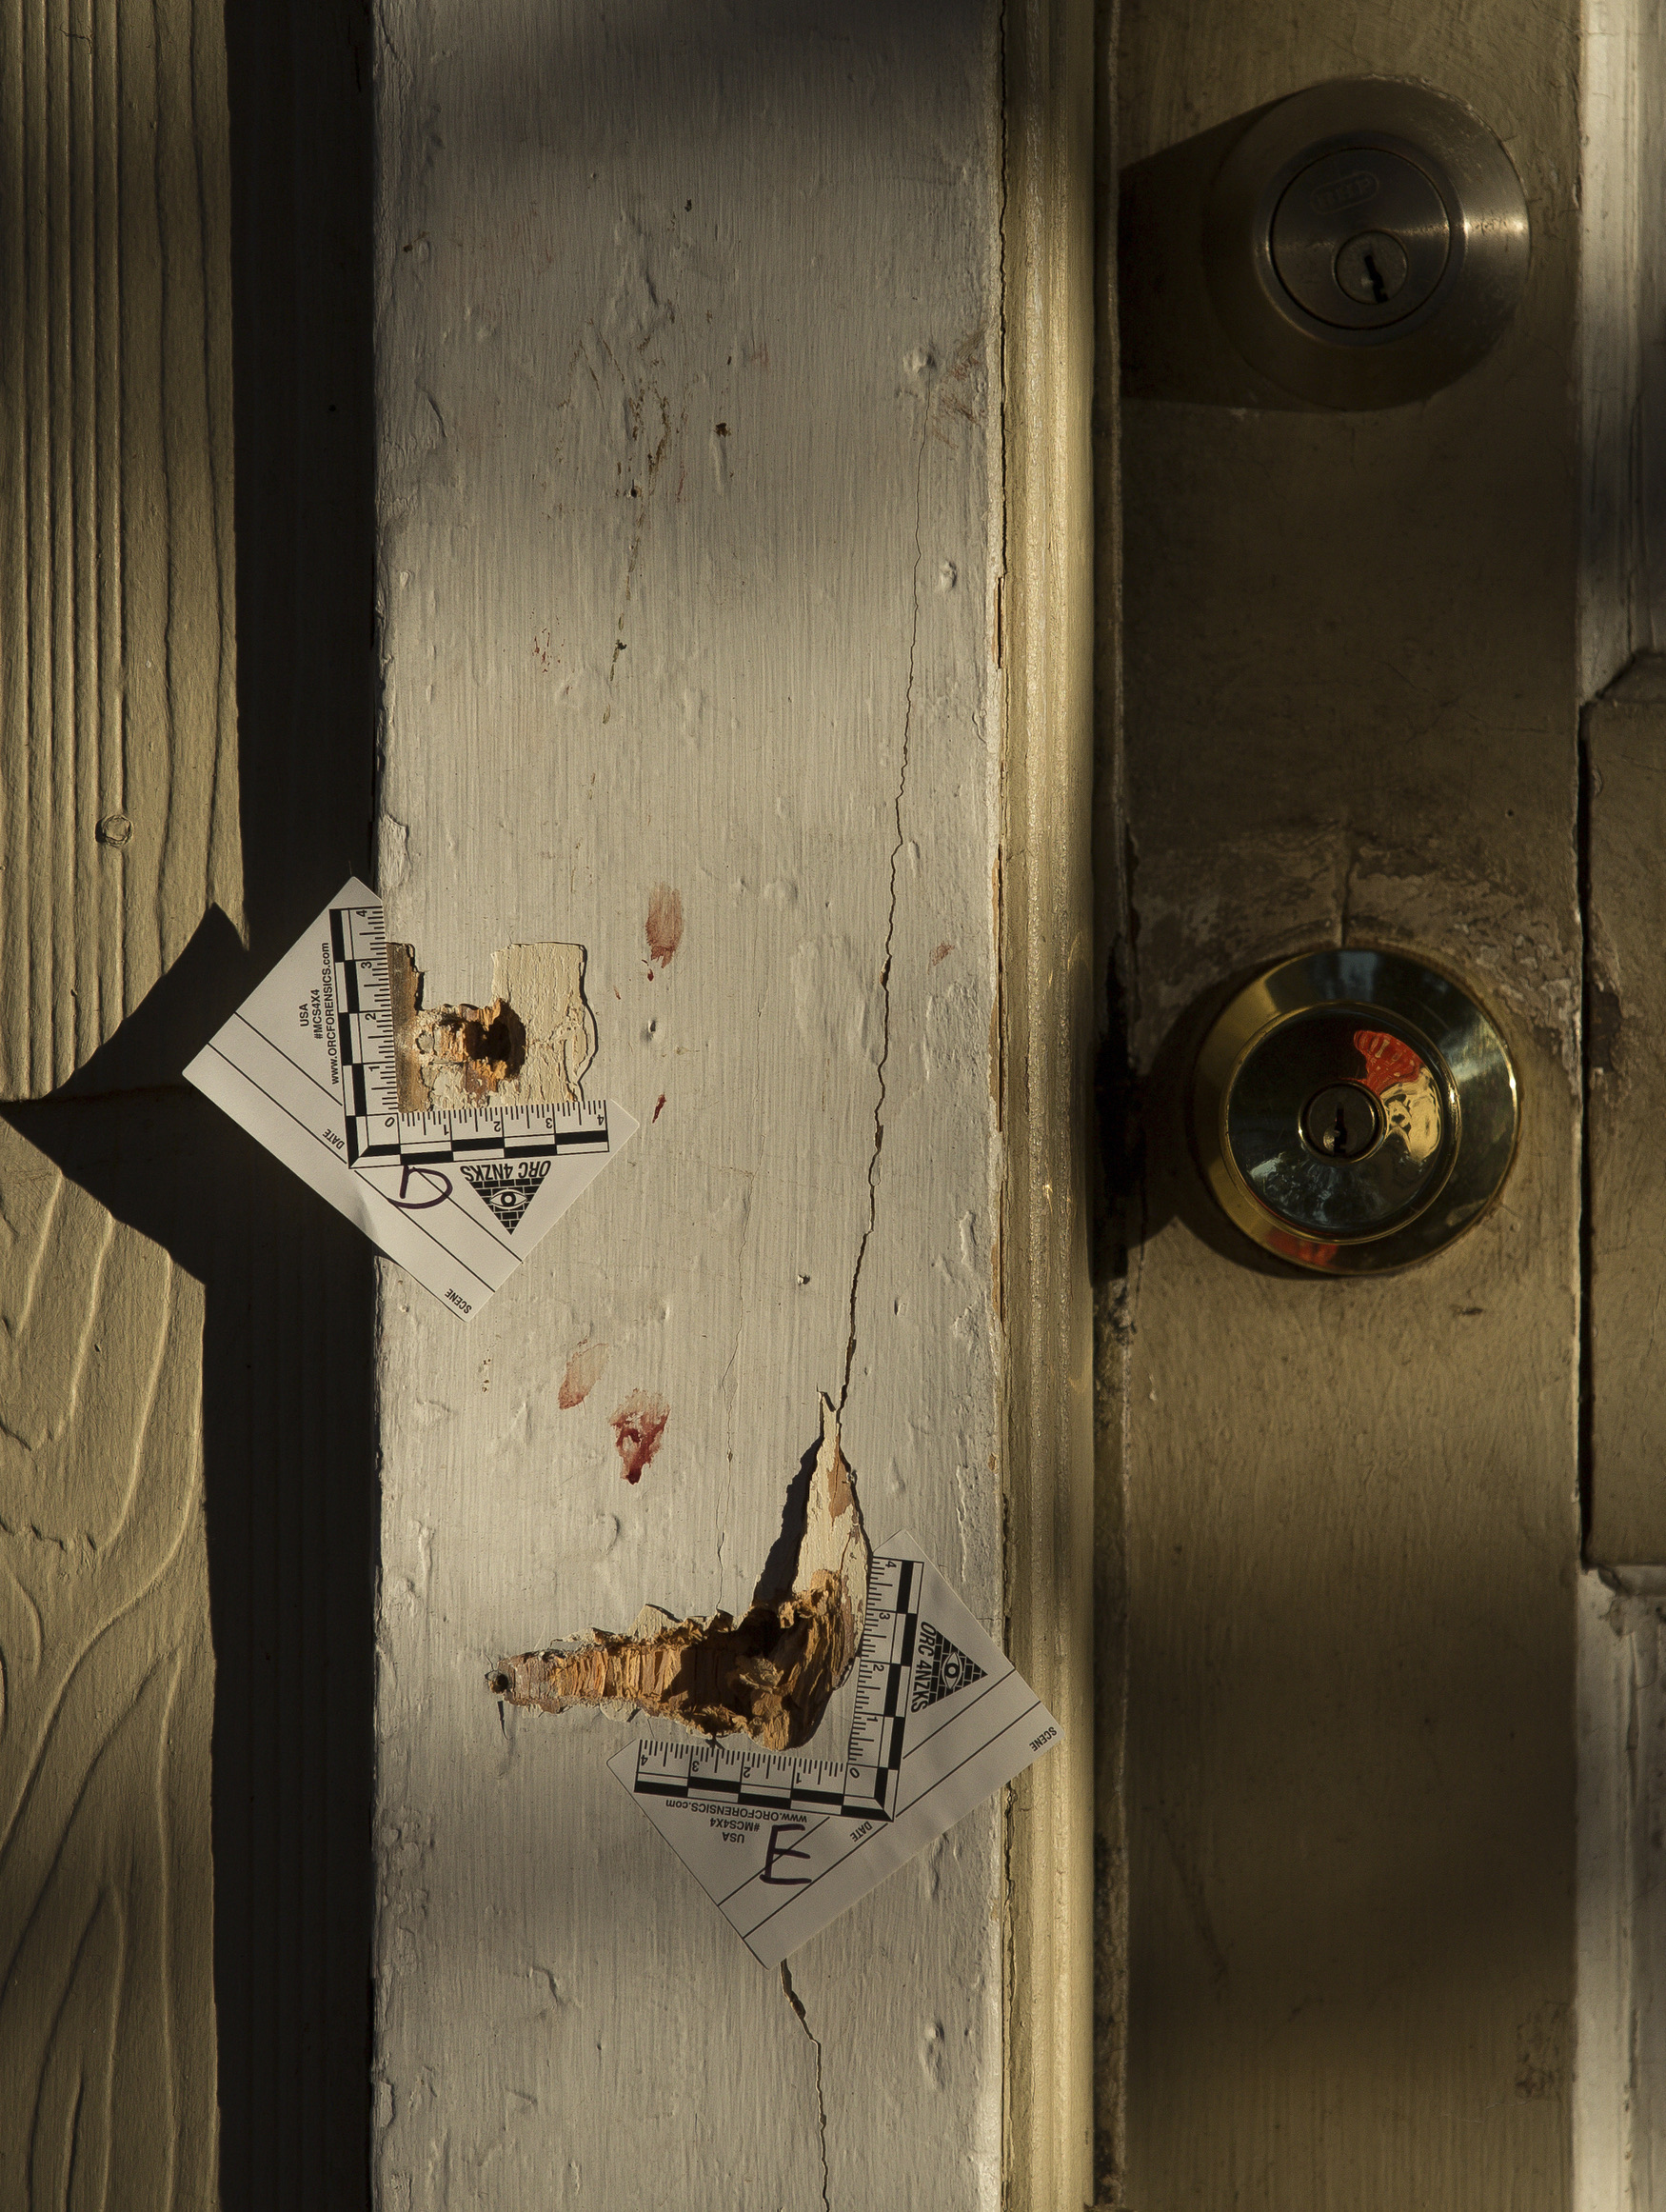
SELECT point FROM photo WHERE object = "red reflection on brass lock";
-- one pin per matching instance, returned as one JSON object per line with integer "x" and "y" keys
{"x": 1354, "y": 1109}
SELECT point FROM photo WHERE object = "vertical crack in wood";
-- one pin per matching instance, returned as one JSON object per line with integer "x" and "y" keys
{"x": 797, "y": 2004}
{"x": 873, "y": 1162}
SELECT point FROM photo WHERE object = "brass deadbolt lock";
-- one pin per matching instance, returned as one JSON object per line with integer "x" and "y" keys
{"x": 1354, "y": 1110}
{"x": 1366, "y": 241}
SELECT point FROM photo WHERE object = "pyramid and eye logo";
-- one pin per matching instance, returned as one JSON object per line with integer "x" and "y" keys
{"x": 940, "y": 1670}
{"x": 509, "y": 1187}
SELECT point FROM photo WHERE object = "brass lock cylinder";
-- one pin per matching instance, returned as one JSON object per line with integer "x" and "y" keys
{"x": 1354, "y": 1110}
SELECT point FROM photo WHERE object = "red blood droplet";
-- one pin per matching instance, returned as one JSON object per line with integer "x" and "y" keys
{"x": 638, "y": 1426}
{"x": 584, "y": 1372}
{"x": 663, "y": 926}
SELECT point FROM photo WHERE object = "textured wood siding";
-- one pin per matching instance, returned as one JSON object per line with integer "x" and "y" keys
{"x": 106, "y": 2016}
{"x": 118, "y": 831}
{"x": 116, "y": 651}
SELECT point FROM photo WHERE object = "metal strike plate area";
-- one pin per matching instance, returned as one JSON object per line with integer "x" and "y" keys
{"x": 1354, "y": 1110}
{"x": 1366, "y": 242}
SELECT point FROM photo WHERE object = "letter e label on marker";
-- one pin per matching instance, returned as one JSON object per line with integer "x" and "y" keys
{"x": 780, "y": 1850}
{"x": 942, "y": 1720}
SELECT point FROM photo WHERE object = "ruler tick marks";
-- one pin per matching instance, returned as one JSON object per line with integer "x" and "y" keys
{"x": 458, "y": 1199}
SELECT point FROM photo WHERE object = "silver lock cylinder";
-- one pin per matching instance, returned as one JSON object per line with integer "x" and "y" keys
{"x": 1360, "y": 239}
{"x": 1366, "y": 241}
{"x": 1354, "y": 1110}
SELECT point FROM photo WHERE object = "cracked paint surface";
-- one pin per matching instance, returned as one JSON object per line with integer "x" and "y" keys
{"x": 885, "y": 1055}
{"x": 625, "y": 656}
{"x": 803, "y": 2018}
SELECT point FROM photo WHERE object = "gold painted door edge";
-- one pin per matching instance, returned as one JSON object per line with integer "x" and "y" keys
{"x": 1044, "y": 1029}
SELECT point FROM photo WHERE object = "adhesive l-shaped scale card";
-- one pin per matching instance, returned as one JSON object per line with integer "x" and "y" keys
{"x": 781, "y": 1842}
{"x": 306, "y": 1065}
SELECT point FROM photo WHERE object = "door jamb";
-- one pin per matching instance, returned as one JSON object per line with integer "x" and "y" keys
{"x": 1044, "y": 1044}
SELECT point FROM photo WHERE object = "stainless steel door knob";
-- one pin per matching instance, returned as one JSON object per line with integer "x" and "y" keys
{"x": 1355, "y": 1111}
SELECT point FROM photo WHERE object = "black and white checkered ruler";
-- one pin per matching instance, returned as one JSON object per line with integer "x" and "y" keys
{"x": 783, "y": 1843}
{"x": 306, "y": 1065}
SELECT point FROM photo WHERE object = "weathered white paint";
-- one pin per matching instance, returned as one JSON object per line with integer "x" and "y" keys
{"x": 1620, "y": 2085}
{"x": 1622, "y": 355}
{"x": 689, "y": 334}
{"x": 1612, "y": 247}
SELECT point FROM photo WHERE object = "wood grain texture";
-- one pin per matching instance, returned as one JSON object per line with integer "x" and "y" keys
{"x": 285, "y": 1454}
{"x": 688, "y": 371}
{"x": 288, "y": 1472}
{"x": 1045, "y": 1039}
{"x": 117, "y": 667}
{"x": 1351, "y": 668}
{"x": 1625, "y": 1061}
{"x": 107, "y": 2014}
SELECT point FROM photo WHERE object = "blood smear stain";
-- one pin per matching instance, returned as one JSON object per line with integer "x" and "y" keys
{"x": 584, "y": 1372}
{"x": 660, "y": 1107}
{"x": 638, "y": 1426}
{"x": 665, "y": 926}
{"x": 942, "y": 953}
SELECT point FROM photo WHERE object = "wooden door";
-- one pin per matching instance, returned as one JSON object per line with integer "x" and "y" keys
{"x": 1355, "y": 647}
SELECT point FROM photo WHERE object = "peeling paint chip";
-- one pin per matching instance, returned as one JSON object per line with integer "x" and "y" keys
{"x": 768, "y": 1675}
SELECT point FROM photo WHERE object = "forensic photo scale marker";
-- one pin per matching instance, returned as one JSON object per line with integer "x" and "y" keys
{"x": 307, "y": 1066}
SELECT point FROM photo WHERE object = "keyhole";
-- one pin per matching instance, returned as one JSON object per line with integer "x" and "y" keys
{"x": 1370, "y": 268}
{"x": 1342, "y": 1121}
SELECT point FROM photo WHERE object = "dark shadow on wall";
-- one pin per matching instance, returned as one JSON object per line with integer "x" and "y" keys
{"x": 292, "y": 1571}
{"x": 287, "y": 1430}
